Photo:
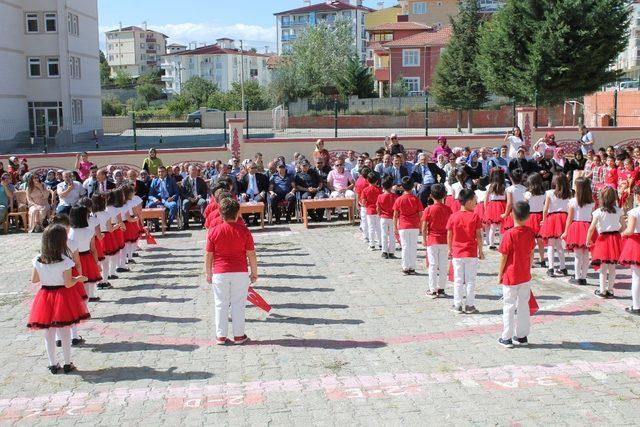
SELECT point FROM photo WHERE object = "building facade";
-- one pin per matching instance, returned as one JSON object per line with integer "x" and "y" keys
{"x": 291, "y": 23}
{"x": 629, "y": 60}
{"x": 382, "y": 15}
{"x": 437, "y": 12}
{"x": 135, "y": 50}
{"x": 50, "y": 86}
{"x": 221, "y": 63}
{"x": 175, "y": 48}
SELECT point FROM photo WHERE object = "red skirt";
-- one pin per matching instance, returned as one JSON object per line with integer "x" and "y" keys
{"x": 57, "y": 307}
{"x": 606, "y": 249}
{"x": 535, "y": 218}
{"x": 480, "y": 209}
{"x": 630, "y": 254}
{"x": 109, "y": 243}
{"x": 79, "y": 287}
{"x": 132, "y": 232}
{"x": 507, "y": 223}
{"x": 90, "y": 268}
{"x": 577, "y": 235}
{"x": 493, "y": 211}
{"x": 453, "y": 203}
{"x": 118, "y": 234}
{"x": 553, "y": 227}
{"x": 99, "y": 249}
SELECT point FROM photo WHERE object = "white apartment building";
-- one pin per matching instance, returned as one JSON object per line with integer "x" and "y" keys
{"x": 220, "y": 63}
{"x": 135, "y": 50}
{"x": 175, "y": 48}
{"x": 50, "y": 85}
{"x": 293, "y": 22}
{"x": 629, "y": 59}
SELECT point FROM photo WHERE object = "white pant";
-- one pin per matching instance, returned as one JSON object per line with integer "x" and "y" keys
{"x": 635, "y": 286}
{"x": 438, "y": 266}
{"x": 364, "y": 226}
{"x": 464, "y": 280}
{"x": 387, "y": 236}
{"x": 493, "y": 230}
{"x": 516, "y": 298}
{"x": 555, "y": 245}
{"x": 230, "y": 289}
{"x": 607, "y": 277}
{"x": 105, "y": 269}
{"x": 90, "y": 289}
{"x": 409, "y": 243}
{"x": 373, "y": 222}
{"x": 581, "y": 263}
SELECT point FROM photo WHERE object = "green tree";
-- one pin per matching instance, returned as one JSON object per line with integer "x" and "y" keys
{"x": 398, "y": 88}
{"x": 123, "y": 80}
{"x": 357, "y": 80}
{"x": 151, "y": 77}
{"x": 105, "y": 70}
{"x": 112, "y": 106}
{"x": 148, "y": 92}
{"x": 458, "y": 84}
{"x": 256, "y": 97}
{"x": 558, "y": 49}
{"x": 179, "y": 106}
{"x": 197, "y": 91}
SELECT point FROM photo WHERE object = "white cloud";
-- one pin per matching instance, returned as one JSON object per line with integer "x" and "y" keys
{"x": 184, "y": 33}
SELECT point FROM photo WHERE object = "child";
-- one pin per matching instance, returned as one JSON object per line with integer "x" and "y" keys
{"x": 611, "y": 173}
{"x": 361, "y": 184}
{"x": 626, "y": 182}
{"x": 554, "y": 219}
{"x": 434, "y": 232}
{"x": 114, "y": 209}
{"x": 494, "y": 204}
{"x": 229, "y": 245}
{"x": 406, "y": 222}
{"x": 575, "y": 232}
{"x": 103, "y": 220}
{"x": 605, "y": 251}
{"x": 384, "y": 206}
{"x": 81, "y": 236}
{"x": 57, "y": 305}
{"x": 481, "y": 196}
{"x": 369, "y": 197}
{"x": 630, "y": 255}
{"x": 515, "y": 193}
{"x": 535, "y": 197}
{"x": 132, "y": 231}
{"x": 464, "y": 239}
{"x": 457, "y": 187}
{"x": 514, "y": 275}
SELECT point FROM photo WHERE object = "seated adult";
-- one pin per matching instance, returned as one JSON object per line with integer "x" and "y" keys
{"x": 282, "y": 187}
{"x": 102, "y": 185}
{"x": 521, "y": 162}
{"x": 252, "y": 185}
{"x": 143, "y": 184}
{"x": 425, "y": 174}
{"x": 311, "y": 186}
{"x": 164, "y": 192}
{"x": 38, "y": 201}
{"x": 194, "y": 193}
{"x": 6, "y": 196}
{"x": 50, "y": 182}
{"x": 340, "y": 181}
{"x": 91, "y": 179}
{"x": 397, "y": 171}
{"x": 69, "y": 193}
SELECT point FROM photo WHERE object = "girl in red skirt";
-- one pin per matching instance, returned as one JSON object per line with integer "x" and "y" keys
{"x": 605, "y": 251}
{"x": 631, "y": 252}
{"x": 114, "y": 208}
{"x": 83, "y": 237}
{"x": 494, "y": 204}
{"x": 554, "y": 219}
{"x": 57, "y": 305}
{"x": 99, "y": 204}
{"x": 515, "y": 193}
{"x": 575, "y": 232}
{"x": 457, "y": 187}
{"x": 535, "y": 197}
{"x": 132, "y": 231}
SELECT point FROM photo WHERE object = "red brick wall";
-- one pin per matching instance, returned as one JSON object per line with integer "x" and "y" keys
{"x": 600, "y": 103}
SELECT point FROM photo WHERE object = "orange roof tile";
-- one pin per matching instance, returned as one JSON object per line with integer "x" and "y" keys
{"x": 427, "y": 38}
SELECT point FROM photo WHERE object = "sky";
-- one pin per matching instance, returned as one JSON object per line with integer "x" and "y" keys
{"x": 185, "y": 21}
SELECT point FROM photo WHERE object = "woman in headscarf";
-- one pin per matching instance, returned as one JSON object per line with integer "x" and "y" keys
{"x": 442, "y": 148}
{"x": 575, "y": 167}
{"x": 25, "y": 181}
{"x": 559, "y": 163}
{"x": 321, "y": 153}
{"x": 50, "y": 181}
{"x": 473, "y": 168}
{"x": 118, "y": 177}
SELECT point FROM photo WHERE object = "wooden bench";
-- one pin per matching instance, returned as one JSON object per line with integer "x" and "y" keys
{"x": 342, "y": 202}
{"x": 156, "y": 213}
{"x": 253, "y": 208}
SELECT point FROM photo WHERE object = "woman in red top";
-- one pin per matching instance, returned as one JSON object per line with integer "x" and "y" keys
{"x": 406, "y": 222}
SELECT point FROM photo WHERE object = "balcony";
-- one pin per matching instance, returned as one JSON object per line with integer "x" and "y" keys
{"x": 381, "y": 74}
{"x": 167, "y": 66}
{"x": 151, "y": 39}
{"x": 288, "y": 37}
{"x": 166, "y": 78}
{"x": 285, "y": 24}
{"x": 297, "y": 22}
{"x": 152, "y": 62}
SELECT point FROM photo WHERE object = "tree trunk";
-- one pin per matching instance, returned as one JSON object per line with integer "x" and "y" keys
{"x": 470, "y": 121}
{"x": 459, "y": 120}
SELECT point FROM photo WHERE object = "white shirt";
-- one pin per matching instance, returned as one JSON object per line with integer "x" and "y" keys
{"x": 496, "y": 197}
{"x": 88, "y": 185}
{"x": 587, "y": 142}
{"x": 514, "y": 143}
{"x": 71, "y": 198}
{"x": 113, "y": 214}
{"x": 517, "y": 192}
{"x": 52, "y": 274}
{"x": 82, "y": 238}
{"x": 635, "y": 213}
{"x": 456, "y": 188}
{"x": 608, "y": 222}
{"x": 481, "y": 196}
{"x": 103, "y": 217}
{"x": 556, "y": 205}
{"x": 536, "y": 203}
{"x": 581, "y": 213}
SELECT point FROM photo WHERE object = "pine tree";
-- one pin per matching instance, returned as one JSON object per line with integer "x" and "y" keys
{"x": 357, "y": 80}
{"x": 457, "y": 83}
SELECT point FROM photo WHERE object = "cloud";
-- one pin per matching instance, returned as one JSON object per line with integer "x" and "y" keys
{"x": 184, "y": 33}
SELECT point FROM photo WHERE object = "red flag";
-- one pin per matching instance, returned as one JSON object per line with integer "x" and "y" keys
{"x": 254, "y": 298}
{"x": 451, "y": 271}
{"x": 150, "y": 239}
{"x": 533, "y": 304}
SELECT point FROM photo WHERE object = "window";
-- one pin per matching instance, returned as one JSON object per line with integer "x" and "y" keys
{"x": 32, "y": 23}
{"x": 420, "y": 8}
{"x": 76, "y": 111}
{"x": 142, "y": 45}
{"x": 74, "y": 67}
{"x": 410, "y": 58}
{"x": 53, "y": 67}
{"x": 50, "y": 22}
{"x": 34, "y": 67}
{"x": 141, "y": 35}
{"x": 72, "y": 23}
{"x": 412, "y": 84}
{"x": 110, "y": 57}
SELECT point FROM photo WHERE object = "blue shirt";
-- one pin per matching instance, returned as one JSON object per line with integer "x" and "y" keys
{"x": 427, "y": 176}
{"x": 3, "y": 197}
{"x": 163, "y": 188}
{"x": 281, "y": 185}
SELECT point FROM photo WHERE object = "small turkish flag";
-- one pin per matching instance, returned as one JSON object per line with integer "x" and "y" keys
{"x": 533, "y": 304}
{"x": 254, "y": 298}
{"x": 150, "y": 239}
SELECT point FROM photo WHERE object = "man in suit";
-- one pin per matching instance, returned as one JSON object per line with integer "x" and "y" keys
{"x": 397, "y": 171}
{"x": 425, "y": 174}
{"x": 143, "y": 184}
{"x": 252, "y": 185}
{"x": 194, "y": 193}
{"x": 102, "y": 185}
{"x": 164, "y": 192}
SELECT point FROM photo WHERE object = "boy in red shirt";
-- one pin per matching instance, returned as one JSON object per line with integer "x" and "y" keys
{"x": 406, "y": 222}
{"x": 361, "y": 184}
{"x": 369, "y": 197}
{"x": 384, "y": 206}
{"x": 434, "y": 232}
{"x": 515, "y": 275}
{"x": 464, "y": 239}
{"x": 229, "y": 245}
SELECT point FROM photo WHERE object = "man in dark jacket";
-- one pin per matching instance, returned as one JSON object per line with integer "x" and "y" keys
{"x": 425, "y": 174}
{"x": 252, "y": 185}
{"x": 194, "y": 193}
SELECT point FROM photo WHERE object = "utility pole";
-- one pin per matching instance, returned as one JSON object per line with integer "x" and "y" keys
{"x": 242, "y": 75}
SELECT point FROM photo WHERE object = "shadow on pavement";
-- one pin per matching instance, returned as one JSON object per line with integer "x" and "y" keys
{"x": 151, "y": 287}
{"x": 321, "y": 343}
{"x": 145, "y": 300}
{"x": 133, "y": 317}
{"x": 588, "y": 346}
{"x": 284, "y": 264}
{"x": 260, "y": 250}
{"x": 134, "y": 373}
{"x": 294, "y": 276}
{"x": 276, "y": 318}
{"x": 292, "y": 289}
{"x": 163, "y": 276}
{"x": 126, "y": 346}
{"x": 301, "y": 306}
{"x": 279, "y": 254}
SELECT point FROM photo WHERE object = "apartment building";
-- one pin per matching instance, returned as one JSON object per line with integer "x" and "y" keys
{"x": 629, "y": 59}
{"x": 175, "y": 48}
{"x": 50, "y": 86}
{"x": 437, "y": 12}
{"x": 291, "y": 23}
{"x": 221, "y": 63}
{"x": 135, "y": 50}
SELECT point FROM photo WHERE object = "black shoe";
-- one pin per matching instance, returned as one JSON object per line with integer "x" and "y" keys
{"x": 132, "y": 261}
{"x": 58, "y": 343}
{"x": 441, "y": 293}
{"x": 385, "y": 255}
{"x": 457, "y": 310}
{"x": 632, "y": 310}
{"x": 278, "y": 221}
{"x": 68, "y": 368}
{"x": 582, "y": 282}
{"x": 53, "y": 369}
{"x": 432, "y": 295}
{"x": 574, "y": 281}
{"x": 521, "y": 341}
{"x": 106, "y": 285}
{"x": 94, "y": 299}
{"x": 471, "y": 309}
{"x": 412, "y": 272}
{"x": 77, "y": 341}
{"x": 543, "y": 264}
{"x": 101, "y": 285}
{"x": 406, "y": 272}
{"x": 562, "y": 272}
{"x": 600, "y": 294}
{"x": 135, "y": 255}
{"x": 492, "y": 247}
{"x": 506, "y": 343}
{"x": 122, "y": 270}
{"x": 391, "y": 255}
{"x": 550, "y": 273}
{"x": 608, "y": 294}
